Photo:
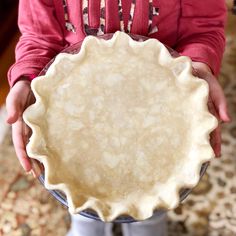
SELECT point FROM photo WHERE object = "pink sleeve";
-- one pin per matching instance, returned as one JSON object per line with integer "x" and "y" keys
{"x": 40, "y": 41}
{"x": 201, "y": 31}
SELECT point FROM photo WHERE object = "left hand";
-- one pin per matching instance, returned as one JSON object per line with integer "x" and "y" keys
{"x": 18, "y": 99}
{"x": 216, "y": 103}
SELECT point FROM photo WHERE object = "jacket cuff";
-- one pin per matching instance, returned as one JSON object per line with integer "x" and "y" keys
{"x": 26, "y": 68}
{"x": 202, "y": 53}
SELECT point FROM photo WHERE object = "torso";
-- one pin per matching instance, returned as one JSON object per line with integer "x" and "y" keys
{"x": 151, "y": 18}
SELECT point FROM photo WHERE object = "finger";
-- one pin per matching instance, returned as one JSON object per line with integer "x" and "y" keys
{"x": 18, "y": 141}
{"x": 216, "y": 141}
{"x": 37, "y": 168}
{"x": 219, "y": 100}
{"x": 215, "y": 136}
{"x": 223, "y": 112}
{"x": 220, "y": 104}
{"x": 215, "y": 90}
{"x": 211, "y": 107}
{"x": 13, "y": 108}
{"x": 17, "y": 100}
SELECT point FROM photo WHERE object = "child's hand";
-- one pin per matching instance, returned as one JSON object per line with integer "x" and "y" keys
{"x": 217, "y": 102}
{"x": 18, "y": 99}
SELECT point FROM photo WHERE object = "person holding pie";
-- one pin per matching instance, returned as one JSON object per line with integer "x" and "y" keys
{"x": 192, "y": 29}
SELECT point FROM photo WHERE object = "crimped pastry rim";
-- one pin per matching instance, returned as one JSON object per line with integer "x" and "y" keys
{"x": 91, "y": 203}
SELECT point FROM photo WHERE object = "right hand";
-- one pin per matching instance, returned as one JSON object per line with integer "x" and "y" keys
{"x": 217, "y": 103}
{"x": 18, "y": 99}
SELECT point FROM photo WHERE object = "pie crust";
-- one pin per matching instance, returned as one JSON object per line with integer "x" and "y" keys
{"x": 120, "y": 127}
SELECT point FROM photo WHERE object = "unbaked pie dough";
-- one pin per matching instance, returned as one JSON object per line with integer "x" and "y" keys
{"x": 120, "y": 127}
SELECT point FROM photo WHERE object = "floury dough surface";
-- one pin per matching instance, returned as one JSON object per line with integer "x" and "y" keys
{"x": 120, "y": 127}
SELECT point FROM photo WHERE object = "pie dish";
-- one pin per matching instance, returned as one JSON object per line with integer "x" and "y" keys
{"x": 120, "y": 127}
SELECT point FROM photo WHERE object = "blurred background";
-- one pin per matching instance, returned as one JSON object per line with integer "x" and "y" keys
{"x": 27, "y": 209}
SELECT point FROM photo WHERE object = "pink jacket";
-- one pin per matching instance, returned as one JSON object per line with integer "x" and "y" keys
{"x": 193, "y": 28}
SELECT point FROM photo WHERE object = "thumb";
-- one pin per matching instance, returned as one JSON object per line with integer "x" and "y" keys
{"x": 16, "y": 100}
{"x": 223, "y": 113}
{"x": 13, "y": 108}
{"x": 219, "y": 100}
